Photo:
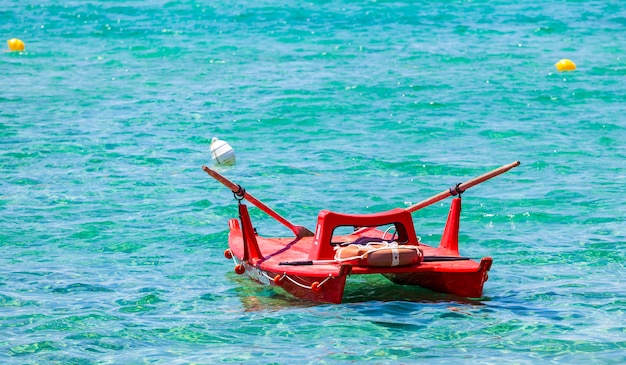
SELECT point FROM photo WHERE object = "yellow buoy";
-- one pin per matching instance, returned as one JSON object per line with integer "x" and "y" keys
{"x": 15, "y": 44}
{"x": 565, "y": 65}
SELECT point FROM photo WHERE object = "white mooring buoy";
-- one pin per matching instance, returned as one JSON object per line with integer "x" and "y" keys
{"x": 222, "y": 152}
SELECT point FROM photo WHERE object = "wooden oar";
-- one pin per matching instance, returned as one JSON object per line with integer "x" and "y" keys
{"x": 323, "y": 262}
{"x": 299, "y": 231}
{"x": 462, "y": 187}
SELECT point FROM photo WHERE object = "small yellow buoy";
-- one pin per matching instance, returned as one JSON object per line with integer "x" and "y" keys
{"x": 565, "y": 65}
{"x": 15, "y": 44}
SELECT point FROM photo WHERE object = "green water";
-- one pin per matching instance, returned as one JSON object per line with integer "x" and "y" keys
{"x": 112, "y": 236}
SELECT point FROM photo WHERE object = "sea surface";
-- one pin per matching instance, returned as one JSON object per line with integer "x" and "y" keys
{"x": 112, "y": 236}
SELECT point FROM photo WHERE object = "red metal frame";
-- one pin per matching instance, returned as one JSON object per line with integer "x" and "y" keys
{"x": 328, "y": 221}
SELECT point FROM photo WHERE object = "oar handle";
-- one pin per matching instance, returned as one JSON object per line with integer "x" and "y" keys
{"x": 221, "y": 178}
{"x": 462, "y": 187}
{"x": 299, "y": 231}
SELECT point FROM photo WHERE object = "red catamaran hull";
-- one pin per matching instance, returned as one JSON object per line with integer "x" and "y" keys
{"x": 310, "y": 266}
{"x": 325, "y": 281}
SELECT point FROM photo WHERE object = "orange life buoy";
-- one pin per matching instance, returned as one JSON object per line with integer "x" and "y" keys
{"x": 380, "y": 255}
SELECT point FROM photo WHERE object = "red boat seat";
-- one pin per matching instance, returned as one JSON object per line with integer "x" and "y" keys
{"x": 327, "y": 221}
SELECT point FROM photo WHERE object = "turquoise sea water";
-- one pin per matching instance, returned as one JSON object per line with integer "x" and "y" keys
{"x": 112, "y": 236}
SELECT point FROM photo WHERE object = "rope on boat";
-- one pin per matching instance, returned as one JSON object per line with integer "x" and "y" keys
{"x": 278, "y": 279}
{"x": 387, "y": 231}
{"x": 314, "y": 286}
{"x": 419, "y": 239}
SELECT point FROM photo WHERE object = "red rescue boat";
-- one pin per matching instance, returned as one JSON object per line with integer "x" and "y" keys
{"x": 315, "y": 265}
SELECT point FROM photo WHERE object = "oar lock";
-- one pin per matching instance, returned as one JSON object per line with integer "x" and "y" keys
{"x": 239, "y": 194}
{"x": 456, "y": 190}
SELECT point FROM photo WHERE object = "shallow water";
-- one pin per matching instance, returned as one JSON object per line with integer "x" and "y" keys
{"x": 112, "y": 236}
